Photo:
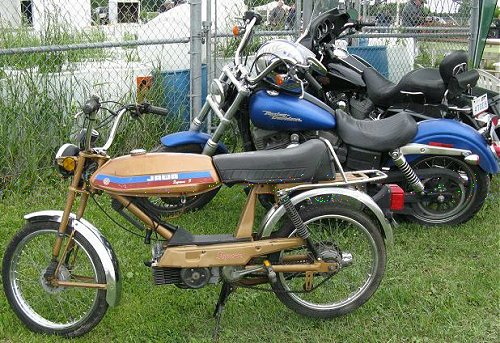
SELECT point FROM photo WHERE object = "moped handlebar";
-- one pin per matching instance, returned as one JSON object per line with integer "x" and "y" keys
{"x": 148, "y": 108}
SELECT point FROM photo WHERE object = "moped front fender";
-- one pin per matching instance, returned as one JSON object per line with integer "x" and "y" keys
{"x": 190, "y": 137}
{"x": 268, "y": 224}
{"x": 452, "y": 135}
{"x": 98, "y": 242}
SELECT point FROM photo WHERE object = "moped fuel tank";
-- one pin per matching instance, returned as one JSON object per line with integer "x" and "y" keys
{"x": 272, "y": 110}
{"x": 159, "y": 174}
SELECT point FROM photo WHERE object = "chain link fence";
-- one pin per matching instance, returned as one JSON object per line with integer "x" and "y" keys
{"x": 55, "y": 53}
{"x": 413, "y": 33}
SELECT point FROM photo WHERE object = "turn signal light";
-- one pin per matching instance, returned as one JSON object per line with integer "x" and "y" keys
{"x": 278, "y": 79}
{"x": 397, "y": 198}
{"x": 442, "y": 145}
{"x": 494, "y": 121}
{"x": 496, "y": 149}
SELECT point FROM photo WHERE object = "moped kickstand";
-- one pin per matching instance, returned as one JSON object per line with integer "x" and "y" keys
{"x": 225, "y": 291}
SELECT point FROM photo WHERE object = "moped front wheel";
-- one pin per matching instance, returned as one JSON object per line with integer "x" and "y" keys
{"x": 42, "y": 305}
{"x": 340, "y": 234}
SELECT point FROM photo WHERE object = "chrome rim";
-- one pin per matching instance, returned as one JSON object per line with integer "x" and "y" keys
{"x": 51, "y": 307}
{"x": 355, "y": 244}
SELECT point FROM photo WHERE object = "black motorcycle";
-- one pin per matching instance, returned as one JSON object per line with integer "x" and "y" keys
{"x": 351, "y": 83}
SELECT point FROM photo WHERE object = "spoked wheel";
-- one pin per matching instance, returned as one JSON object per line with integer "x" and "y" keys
{"x": 340, "y": 235}
{"x": 450, "y": 200}
{"x": 40, "y": 304}
{"x": 170, "y": 205}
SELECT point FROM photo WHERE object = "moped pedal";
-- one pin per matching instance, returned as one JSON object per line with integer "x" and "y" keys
{"x": 271, "y": 274}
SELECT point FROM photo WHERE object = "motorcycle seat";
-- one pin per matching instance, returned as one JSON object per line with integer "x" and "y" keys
{"x": 431, "y": 82}
{"x": 380, "y": 135}
{"x": 383, "y": 92}
{"x": 307, "y": 162}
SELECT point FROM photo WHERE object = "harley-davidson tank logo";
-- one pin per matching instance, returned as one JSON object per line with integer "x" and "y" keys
{"x": 155, "y": 180}
{"x": 281, "y": 116}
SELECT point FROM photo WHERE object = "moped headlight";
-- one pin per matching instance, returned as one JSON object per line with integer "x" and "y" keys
{"x": 66, "y": 159}
{"x": 217, "y": 91}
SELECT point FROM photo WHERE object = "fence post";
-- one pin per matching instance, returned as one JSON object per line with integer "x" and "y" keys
{"x": 195, "y": 57}
{"x": 306, "y": 13}
{"x": 474, "y": 29}
{"x": 207, "y": 28}
{"x": 298, "y": 11}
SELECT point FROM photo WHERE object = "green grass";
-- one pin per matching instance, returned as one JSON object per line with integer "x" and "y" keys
{"x": 441, "y": 285}
{"x": 48, "y": 62}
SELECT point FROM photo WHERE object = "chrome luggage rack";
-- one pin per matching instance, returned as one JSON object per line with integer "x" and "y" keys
{"x": 346, "y": 178}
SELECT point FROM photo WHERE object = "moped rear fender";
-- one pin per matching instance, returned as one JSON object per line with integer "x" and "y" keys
{"x": 190, "y": 137}
{"x": 98, "y": 242}
{"x": 268, "y": 224}
{"x": 451, "y": 134}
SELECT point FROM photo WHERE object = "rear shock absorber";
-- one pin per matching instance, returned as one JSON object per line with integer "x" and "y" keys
{"x": 412, "y": 178}
{"x": 298, "y": 223}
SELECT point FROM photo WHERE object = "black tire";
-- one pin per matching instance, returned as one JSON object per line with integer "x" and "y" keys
{"x": 163, "y": 206}
{"x": 337, "y": 289}
{"x": 25, "y": 302}
{"x": 462, "y": 200}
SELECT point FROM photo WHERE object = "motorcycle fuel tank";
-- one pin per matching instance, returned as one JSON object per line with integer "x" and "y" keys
{"x": 160, "y": 174}
{"x": 272, "y": 110}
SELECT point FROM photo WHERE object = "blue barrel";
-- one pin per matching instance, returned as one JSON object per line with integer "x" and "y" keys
{"x": 375, "y": 55}
{"x": 175, "y": 85}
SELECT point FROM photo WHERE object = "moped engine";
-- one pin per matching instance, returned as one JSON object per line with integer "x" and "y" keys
{"x": 181, "y": 277}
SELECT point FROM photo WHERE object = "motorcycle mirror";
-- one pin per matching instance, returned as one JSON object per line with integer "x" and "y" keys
{"x": 353, "y": 14}
{"x": 317, "y": 65}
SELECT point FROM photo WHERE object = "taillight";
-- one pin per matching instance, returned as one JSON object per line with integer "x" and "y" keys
{"x": 397, "y": 198}
{"x": 442, "y": 145}
{"x": 496, "y": 150}
{"x": 495, "y": 121}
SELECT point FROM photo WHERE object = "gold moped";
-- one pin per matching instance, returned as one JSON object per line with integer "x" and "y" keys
{"x": 320, "y": 248}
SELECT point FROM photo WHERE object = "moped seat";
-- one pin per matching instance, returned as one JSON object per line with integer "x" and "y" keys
{"x": 379, "y": 135}
{"x": 383, "y": 92}
{"x": 307, "y": 162}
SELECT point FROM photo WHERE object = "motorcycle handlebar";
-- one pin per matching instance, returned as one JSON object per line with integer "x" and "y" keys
{"x": 254, "y": 20}
{"x": 361, "y": 24}
{"x": 312, "y": 81}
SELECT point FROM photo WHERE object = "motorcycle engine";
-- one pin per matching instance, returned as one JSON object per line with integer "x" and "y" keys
{"x": 270, "y": 140}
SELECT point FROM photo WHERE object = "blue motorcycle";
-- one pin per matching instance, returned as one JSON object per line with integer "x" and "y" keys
{"x": 443, "y": 165}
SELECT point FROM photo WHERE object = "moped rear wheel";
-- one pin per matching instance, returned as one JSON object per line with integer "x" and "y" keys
{"x": 42, "y": 306}
{"x": 343, "y": 235}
